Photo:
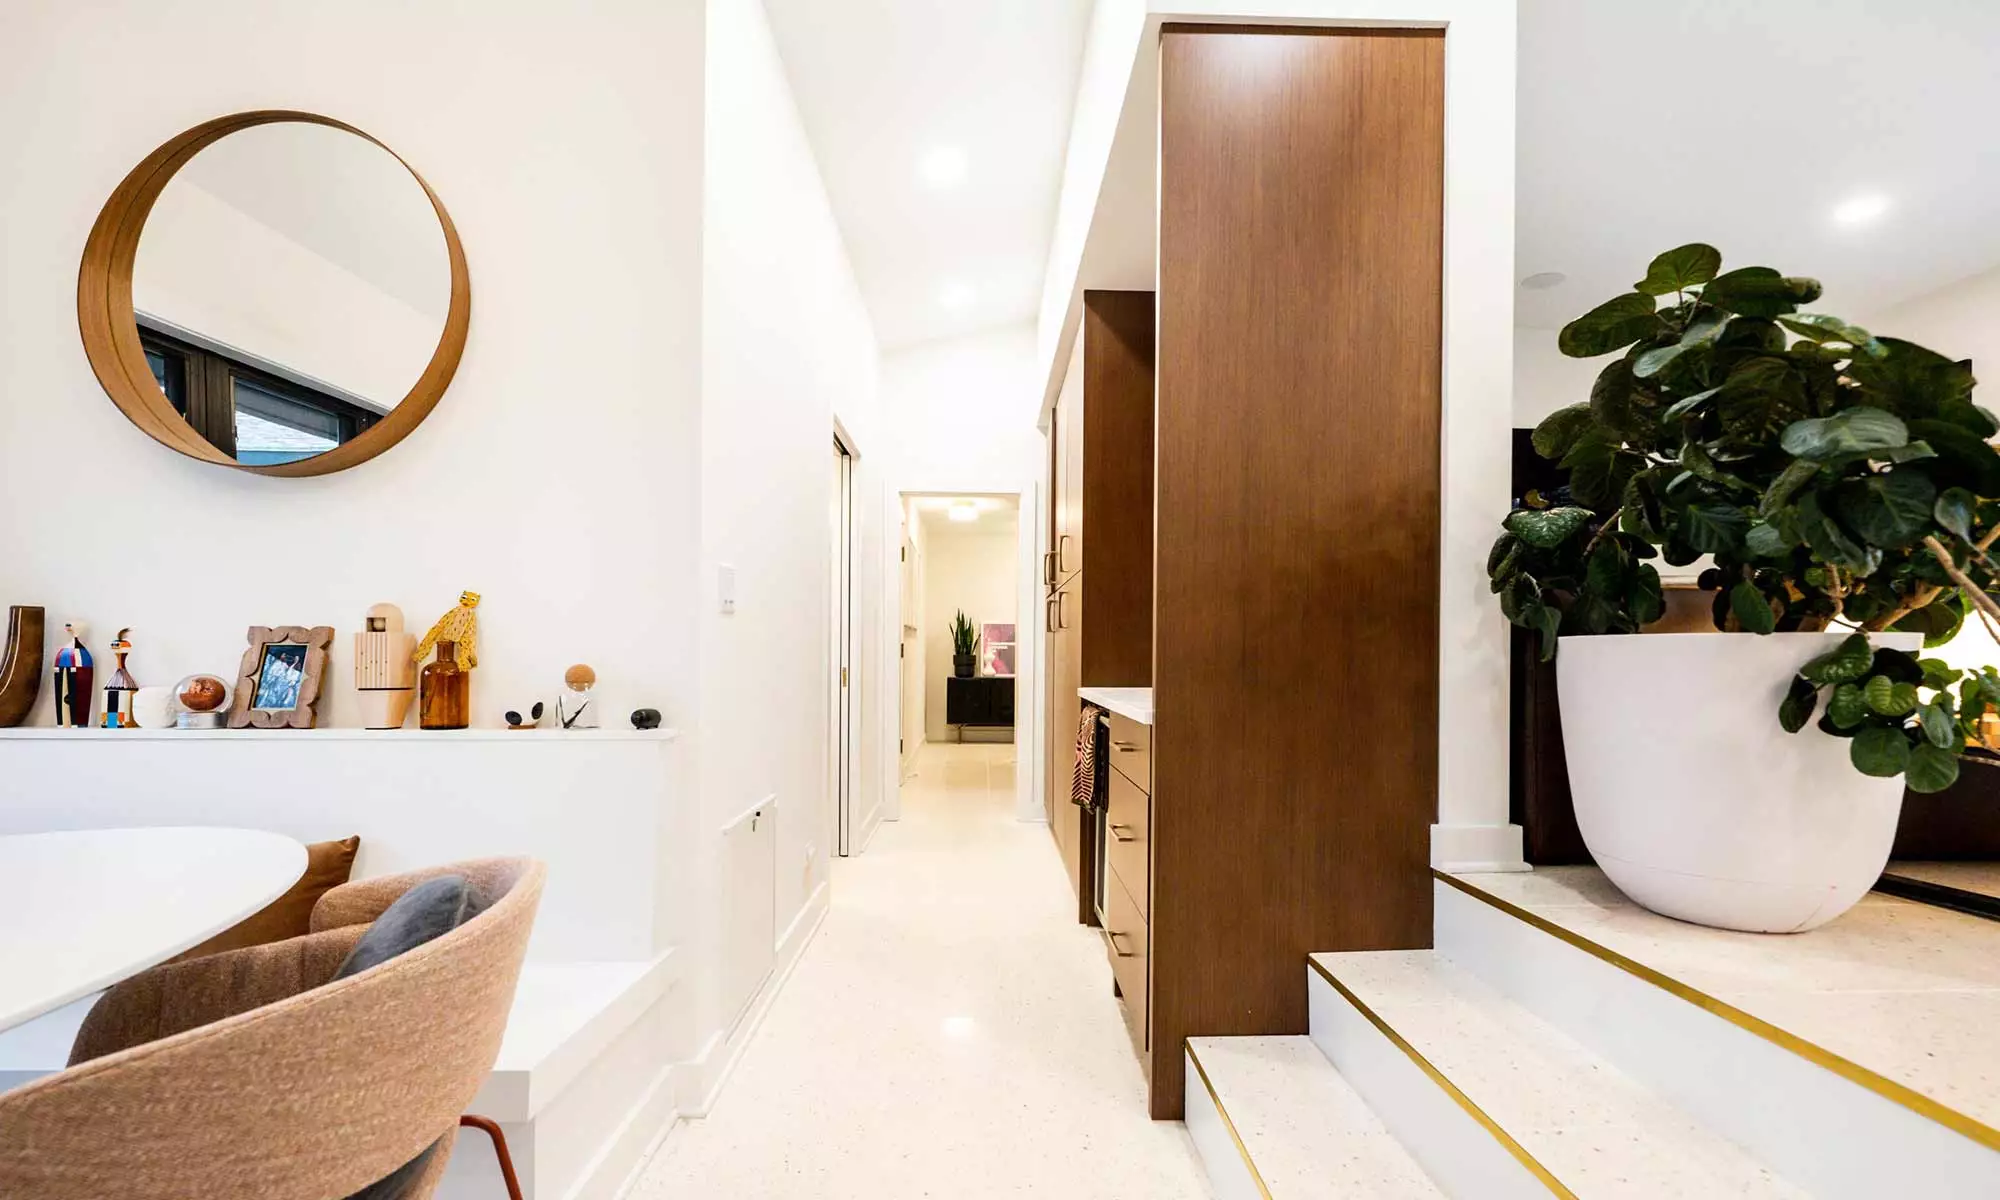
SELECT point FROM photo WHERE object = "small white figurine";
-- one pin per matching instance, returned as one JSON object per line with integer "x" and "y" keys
{"x": 576, "y": 706}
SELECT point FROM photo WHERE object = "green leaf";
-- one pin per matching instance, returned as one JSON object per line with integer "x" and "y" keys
{"x": 1820, "y": 328}
{"x": 1504, "y": 547}
{"x": 1964, "y": 458}
{"x": 1611, "y": 398}
{"x": 1831, "y": 542}
{"x": 1910, "y": 379}
{"x": 1847, "y": 707}
{"x": 1681, "y": 268}
{"x": 1880, "y": 752}
{"x": 1643, "y": 598}
{"x": 1687, "y": 405}
{"x": 1898, "y": 665}
{"x": 1849, "y": 431}
{"x": 1695, "y": 458}
{"x": 1714, "y": 528}
{"x": 1612, "y": 325}
{"x": 1700, "y": 335}
{"x": 1844, "y": 663}
{"x": 1937, "y": 725}
{"x": 1599, "y": 471}
{"x": 1548, "y": 623}
{"x": 1892, "y": 510}
{"x": 1930, "y": 769}
{"x": 1954, "y": 510}
{"x": 1546, "y": 528}
{"x": 1889, "y": 698}
{"x": 1939, "y": 674}
{"x": 1560, "y": 430}
{"x": 1788, "y": 482}
{"x": 1797, "y": 708}
{"x": 1760, "y": 292}
{"x": 1753, "y": 611}
{"x": 1970, "y": 416}
{"x": 1766, "y": 540}
{"x": 1939, "y": 622}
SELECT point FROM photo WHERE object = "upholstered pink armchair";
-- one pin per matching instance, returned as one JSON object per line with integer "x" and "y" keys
{"x": 247, "y": 1075}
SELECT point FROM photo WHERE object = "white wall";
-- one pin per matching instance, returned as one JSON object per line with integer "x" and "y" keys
{"x": 557, "y": 475}
{"x": 969, "y": 568}
{"x": 1545, "y": 379}
{"x": 910, "y": 626}
{"x": 1472, "y": 828}
{"x": 786, "y": 351}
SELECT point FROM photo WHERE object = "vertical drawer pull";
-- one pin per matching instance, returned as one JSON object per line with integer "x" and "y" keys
{"x": 1112, "y": 936}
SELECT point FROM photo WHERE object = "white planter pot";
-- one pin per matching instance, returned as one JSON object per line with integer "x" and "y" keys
{"x": 1696, "y": 802}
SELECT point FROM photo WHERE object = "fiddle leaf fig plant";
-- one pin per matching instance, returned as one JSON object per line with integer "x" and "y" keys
{"x": 1833, "y": 477}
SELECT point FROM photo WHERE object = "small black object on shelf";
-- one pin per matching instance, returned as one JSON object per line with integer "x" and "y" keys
{"x": 514, "y": 720}
{"x": 646, "y": 718}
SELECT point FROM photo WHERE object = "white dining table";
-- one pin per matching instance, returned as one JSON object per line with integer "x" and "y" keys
{"x": 82, "y": 909}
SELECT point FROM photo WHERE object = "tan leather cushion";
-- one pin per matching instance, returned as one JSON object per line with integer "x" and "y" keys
{"x": 328, "y": 864}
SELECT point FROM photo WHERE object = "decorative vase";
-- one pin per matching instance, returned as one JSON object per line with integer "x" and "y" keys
{"x": 73, "y": 673}
{"x": 1696, "y": 802}
{"x": 962, "y": 664}
{"x": 447, "y": 691}
{"x": 21, "y": 669}
{"x": 575, "y": 704}
{"x": 385, "y": 676}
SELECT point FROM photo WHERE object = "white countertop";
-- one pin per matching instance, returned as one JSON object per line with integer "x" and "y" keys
{"x": 1131, "y": 702}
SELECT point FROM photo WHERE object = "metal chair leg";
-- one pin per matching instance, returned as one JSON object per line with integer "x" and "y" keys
{"x": 492, "y": 1130}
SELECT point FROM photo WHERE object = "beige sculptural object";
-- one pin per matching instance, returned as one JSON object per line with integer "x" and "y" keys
{"x": 385, "y": 677}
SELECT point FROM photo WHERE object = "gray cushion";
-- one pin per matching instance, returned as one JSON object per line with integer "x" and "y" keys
{"x": 429, "y": 910}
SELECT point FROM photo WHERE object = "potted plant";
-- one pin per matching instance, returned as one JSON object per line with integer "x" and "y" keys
{"x": 964, "y": 646}
{"x": 1843, "y": 489}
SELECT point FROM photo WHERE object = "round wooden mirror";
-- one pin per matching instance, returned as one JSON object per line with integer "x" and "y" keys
{"x": 274, "y": 291}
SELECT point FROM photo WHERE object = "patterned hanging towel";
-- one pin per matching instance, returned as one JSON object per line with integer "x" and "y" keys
{"x": 1092, "y": 732}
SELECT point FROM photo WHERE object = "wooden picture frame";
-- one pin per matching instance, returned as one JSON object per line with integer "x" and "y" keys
{"x": 277, "y": 684}
{"x": 110, "y": 330}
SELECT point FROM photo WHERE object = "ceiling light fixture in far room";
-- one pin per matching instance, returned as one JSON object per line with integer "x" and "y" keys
{"x": 1542, "y": 281}
{"x": 1860, "y": 210}
{"x": 943, "y": 167}
{"x": 956, "y": 297}
{"x": 964, "y": 510}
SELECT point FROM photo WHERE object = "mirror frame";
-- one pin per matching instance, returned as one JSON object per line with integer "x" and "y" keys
{"x": 110, "y": 327}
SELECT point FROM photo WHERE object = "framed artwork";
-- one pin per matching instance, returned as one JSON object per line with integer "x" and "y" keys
{"x": 277, "y": 686}
{"x": 996, "y": 649}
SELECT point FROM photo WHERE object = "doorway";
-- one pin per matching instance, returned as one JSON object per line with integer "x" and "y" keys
{"x": 840, "y": 734}
{"x": 961, "y": 644}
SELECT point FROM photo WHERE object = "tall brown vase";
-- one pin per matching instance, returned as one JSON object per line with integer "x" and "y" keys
{"x": 21, "y": 670}
{"x": 447, "y": 691}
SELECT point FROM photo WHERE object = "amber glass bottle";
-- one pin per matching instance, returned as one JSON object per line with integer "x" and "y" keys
{"x": 447, "y": 691}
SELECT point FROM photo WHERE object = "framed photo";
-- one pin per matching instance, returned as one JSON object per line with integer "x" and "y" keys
{"x": 277, "y": 686}
{"x": 996, "y": 649}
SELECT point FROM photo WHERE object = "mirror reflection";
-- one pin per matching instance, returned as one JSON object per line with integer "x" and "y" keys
{"x": 291, "y": 284}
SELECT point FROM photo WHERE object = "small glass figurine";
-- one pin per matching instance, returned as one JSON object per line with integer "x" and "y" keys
{"x": 74, "y": 669}
{"x": 575, "y": 708}
{"x": 118, "y": 693}
{"x": 202, "y": 699}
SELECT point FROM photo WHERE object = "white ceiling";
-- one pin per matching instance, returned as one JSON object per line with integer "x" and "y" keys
{"x": 881, "y": 85}
{"x": 1745, "y": 123}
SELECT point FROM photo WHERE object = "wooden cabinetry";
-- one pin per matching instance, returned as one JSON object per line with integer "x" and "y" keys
{"x": 1295, "y": 678}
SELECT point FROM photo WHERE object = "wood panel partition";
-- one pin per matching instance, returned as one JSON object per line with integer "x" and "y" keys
{"x": 1298, "y": 413}
{"x": 1117, "y": 481}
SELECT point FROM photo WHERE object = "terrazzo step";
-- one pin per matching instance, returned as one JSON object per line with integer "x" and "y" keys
{"x": 1496, "y": 1104}
{"x": 1273, "y": 1120}
{"x": 1858, "y": 1059}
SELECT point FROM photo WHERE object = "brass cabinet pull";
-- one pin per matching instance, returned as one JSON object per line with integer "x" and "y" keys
{"x": 1049, "y": 567}
{"x": 1114, "y": 827}
{"x": 1062, "y": 562}
{"x": 1127, "y": 747}
{"x": 1112, "y": 936}
{"x": 1049, "y": 614}
{"x": 1062, "y": 609}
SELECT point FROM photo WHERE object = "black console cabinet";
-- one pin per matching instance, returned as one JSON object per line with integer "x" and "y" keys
{"x": 980, "y": 700}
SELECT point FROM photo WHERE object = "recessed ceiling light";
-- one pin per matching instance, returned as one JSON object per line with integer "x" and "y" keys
{"x": 956, "y": 296}
{"x": 965, "y": 510}
{"x": 1542, "y": 281}
{"x": 1860, "y": 210}
{"x": 943, "y": 167}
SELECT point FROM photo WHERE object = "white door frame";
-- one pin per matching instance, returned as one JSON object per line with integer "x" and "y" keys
{"x": 1030, "y": 699}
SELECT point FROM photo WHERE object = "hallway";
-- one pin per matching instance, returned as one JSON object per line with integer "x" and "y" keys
{"x": 950, "y": 1032}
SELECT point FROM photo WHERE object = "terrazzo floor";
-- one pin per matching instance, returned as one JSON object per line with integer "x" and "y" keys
{"x": 950, "y": 1032}
{"x": 1909, "y": 991}
{"x": 1981, "y": 877}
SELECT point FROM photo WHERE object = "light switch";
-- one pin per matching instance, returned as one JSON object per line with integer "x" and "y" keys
{"x": 725, "y": 588}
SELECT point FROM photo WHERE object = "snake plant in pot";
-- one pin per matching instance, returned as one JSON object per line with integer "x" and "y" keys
{"x": 964, "y": 646}
{"x": 1842, "y": 489}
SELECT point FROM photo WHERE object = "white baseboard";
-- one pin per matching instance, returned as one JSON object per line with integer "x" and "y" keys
{"x": 1465, "y": 848}
{"x": 701, "y": 1079}
{"x": 623, "y": 1158}
{"x": 869, "y": 824}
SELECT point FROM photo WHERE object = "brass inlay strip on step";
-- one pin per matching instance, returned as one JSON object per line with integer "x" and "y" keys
{"x": 1506, "y": 1140}
{"x": 1228, "y": 1124}
{"x": 1848, "y": 1069}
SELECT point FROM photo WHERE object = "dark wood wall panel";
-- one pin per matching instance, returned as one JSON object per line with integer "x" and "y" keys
{"x": 1118, "y": 488}
{"x": 1295, "y": 667}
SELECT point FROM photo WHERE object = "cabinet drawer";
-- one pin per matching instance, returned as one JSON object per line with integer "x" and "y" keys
{"x": 1132, "y": 750}
{"x": 1127, "y": 942}
{"x": 1130, "y": 850}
